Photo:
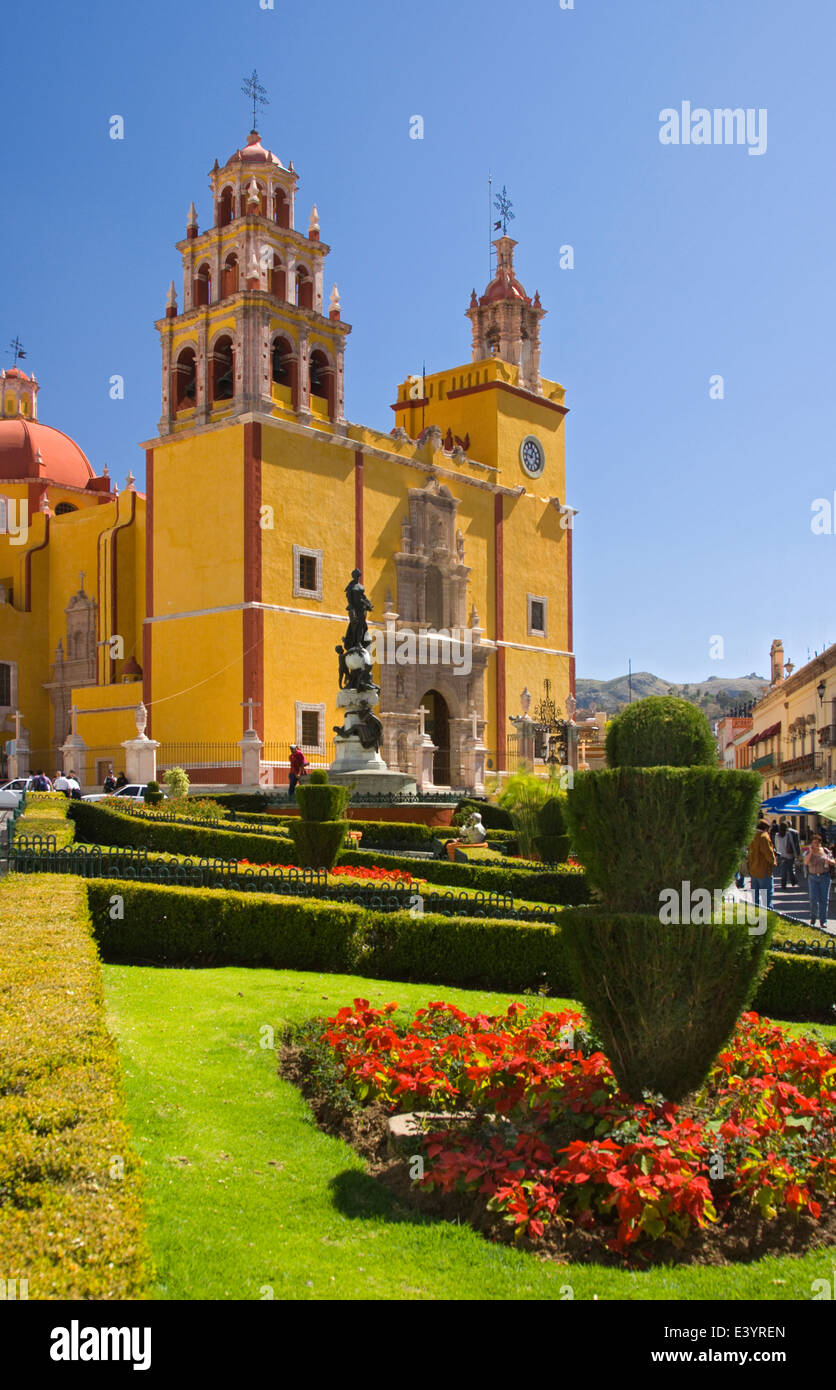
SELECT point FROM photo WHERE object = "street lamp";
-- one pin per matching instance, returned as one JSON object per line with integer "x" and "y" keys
{"x": 820, "y": 689}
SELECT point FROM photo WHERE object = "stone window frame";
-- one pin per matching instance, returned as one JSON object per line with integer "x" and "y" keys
{"x": 298, "y": 592}
{"x": 10, "y": 708}
{"x": 309, "y": 707}
{"x": 533, "y": 631}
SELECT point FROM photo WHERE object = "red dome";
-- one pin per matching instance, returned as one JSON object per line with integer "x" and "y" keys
{"x": 504, "y": 286}
{"x": 61, "y": 459}
{"x": 254, "y": 153}
{"x": 15, "y": 371}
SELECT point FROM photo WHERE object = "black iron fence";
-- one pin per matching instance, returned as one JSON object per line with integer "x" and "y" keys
{"x": 31, "y": 854}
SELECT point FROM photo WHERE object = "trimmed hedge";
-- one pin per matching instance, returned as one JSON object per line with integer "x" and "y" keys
{"x": 661, "y": 731}
{"x": 800, "y": 987}
{"x": 202, "y": 927}
{"x": 642, "y": 831}
{"x": 100, "y": 825}
{"x": 70, "y": 1216}
{"x": 45, "y": 813}
{"x": 561, "y": 886}
{"x": 663, "y": 999}
{"x": 493, "y": 817}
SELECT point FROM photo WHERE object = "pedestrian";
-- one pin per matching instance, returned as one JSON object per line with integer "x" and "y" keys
{"x": 786, "y": 847}
{"x": 74, "y": 787}
{"x": 761, "y": 863}
{"x": 773, "y": 831}
{"x": 121, "y": 781}
{"x": 298, "y": 764}
{"x": 40, "y": 782}
{"x": 818, "y": 862}
{"x": 109, "y": 785}
{"x": 61, "y": 784}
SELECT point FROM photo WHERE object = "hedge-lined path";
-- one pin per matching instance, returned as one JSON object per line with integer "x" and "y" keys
{"x": 795, "y": 902}
{"x": 245, "y": 1195}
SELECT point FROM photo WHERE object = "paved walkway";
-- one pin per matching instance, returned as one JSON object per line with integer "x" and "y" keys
{"x": 795, "y": 902}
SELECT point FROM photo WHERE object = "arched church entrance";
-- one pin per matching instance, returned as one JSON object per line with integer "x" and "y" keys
{"x": 438, "y": 728}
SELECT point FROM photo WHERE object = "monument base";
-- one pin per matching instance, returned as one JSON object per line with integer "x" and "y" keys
{"x": 365, "y": 771}
{"x": 373, "y": 783}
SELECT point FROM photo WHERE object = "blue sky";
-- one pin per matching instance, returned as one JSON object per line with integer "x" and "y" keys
{"x": 690, "y": 261}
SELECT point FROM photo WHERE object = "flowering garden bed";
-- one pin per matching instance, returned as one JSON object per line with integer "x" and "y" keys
{"x": 557, "y": 1160}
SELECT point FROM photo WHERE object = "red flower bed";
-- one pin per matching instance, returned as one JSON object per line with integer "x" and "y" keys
{"x": 370, "y": 873}
{"x": 573, "y": 1150}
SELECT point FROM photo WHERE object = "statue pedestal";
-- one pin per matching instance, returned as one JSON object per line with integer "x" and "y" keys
{"x": 141, "y": 759}
{"x": 475, "y": 753}
{"x": 423, "y": 756}
{"x": 74, "y": 755}
{"x": 18, "y": 751}
{"x": 251, "y": 746}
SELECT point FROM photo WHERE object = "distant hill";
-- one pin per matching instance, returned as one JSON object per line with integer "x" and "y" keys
{"x": 715, "y": 696}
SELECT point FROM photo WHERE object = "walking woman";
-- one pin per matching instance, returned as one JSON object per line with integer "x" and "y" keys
{"x": 762, "y": 861}
{"x": 817, "y": 861}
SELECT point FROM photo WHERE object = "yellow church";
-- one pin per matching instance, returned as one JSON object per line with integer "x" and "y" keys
{"x": 224, "y": 616}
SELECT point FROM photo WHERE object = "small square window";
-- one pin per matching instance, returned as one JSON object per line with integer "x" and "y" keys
{"x": 310, "y": 728}
{"x": 538, "y": 608}
{"x": 307, "y": 572}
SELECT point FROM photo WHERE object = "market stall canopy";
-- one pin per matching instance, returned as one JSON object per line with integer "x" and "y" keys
{"x": 822, "y": 801}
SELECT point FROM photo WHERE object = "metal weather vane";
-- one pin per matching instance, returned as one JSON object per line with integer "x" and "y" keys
{"x": 16, "y": 348}
{"x": 503, "y": 205}
{"x": 252, "y": 88}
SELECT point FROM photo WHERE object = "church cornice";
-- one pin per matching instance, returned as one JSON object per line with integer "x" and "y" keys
{"x": 250, "y": 298}
{"x": 281, "y": 236}
{"x": 514, "y": 390}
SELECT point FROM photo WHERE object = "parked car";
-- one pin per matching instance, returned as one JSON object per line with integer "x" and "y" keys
{"x": 11, "y": 792}
{"x": 134, "y": 791}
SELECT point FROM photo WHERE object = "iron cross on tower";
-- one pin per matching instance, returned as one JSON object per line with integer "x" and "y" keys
{"x": 503, "y": 205}
{"x": 16, "y": 349}
{"x": 252, "y": 88}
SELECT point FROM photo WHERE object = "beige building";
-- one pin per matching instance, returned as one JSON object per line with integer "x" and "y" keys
{"x": 794, "y": 725}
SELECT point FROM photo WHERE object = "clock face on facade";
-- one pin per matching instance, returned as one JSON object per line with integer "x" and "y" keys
{"x": 532, "y": 456}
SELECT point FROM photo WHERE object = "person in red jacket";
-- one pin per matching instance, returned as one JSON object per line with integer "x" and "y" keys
{"x": 298, "y": 764}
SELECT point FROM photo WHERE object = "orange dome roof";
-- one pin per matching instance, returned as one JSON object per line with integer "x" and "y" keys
{"x": 254, "y": 153}
{"x": 61, "y": 460}
{"x": 504, "y": 286}
{"x": 15, "y": 371}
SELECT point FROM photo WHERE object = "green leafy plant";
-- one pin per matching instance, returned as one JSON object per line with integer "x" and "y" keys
{"x": 523, "y": 796}
{"x": 661, "y": 731}
{"x": 177, "y": 781}
{"x": 153, "y": 793}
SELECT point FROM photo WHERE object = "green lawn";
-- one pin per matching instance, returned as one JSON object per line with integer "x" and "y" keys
{"x": 245, "y": 1195}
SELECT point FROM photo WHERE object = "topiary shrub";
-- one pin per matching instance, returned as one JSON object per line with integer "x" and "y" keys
{"x": 661, "y": 731}
{"x": 153, "y": 793}
{"x": 493, "y": 817}
{"x": 318, "y": 778}
{"x": 551, "y": 840}
{"x": 638, "y": 831}
{"x": 662, "y": 998}
{"x": 662, "y": 823}
{"x": 319, "y": 833}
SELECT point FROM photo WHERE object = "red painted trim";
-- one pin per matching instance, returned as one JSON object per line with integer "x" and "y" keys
{"x": 515, "y": 391}
{"x": 410, "y": 405}
{"x": 570, "y": 622}
{"x": 253, "y": 618}
{"x": 147, "y": 629}
{"x": 499, "y": 623}
{"x": 358, "y": 510}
